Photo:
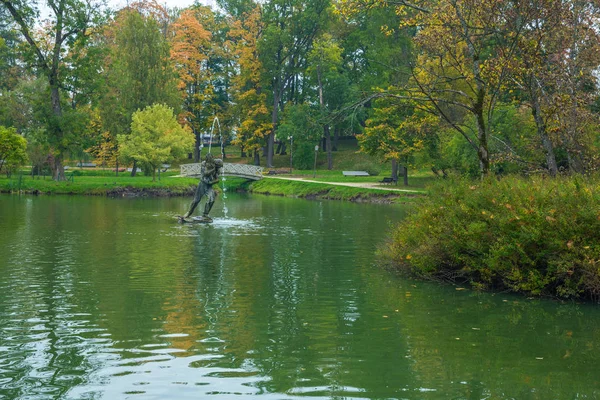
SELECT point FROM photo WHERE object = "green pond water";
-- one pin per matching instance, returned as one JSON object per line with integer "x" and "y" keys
{"x": 277, "y": 299}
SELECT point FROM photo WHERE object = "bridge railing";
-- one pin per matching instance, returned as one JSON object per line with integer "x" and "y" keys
{"x": 241, "y": 170}
{"x": 190, "y": 169}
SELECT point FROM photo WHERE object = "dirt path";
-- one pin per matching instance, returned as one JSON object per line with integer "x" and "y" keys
{"x": 365, "y": 185}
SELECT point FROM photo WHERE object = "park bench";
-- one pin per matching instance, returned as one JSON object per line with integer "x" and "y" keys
{"x": 355, "y": 173}
{"x": 388, "y": 180}
{"x": 86, "y": 165}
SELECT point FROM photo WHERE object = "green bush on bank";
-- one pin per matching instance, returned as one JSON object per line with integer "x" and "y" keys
{"x": 536, "y": 235}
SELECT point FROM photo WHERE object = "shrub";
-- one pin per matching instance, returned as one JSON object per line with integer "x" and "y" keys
{"x": 13, "y": 150}
{"x": 304, "y": 155}
{"x": 537, "y": 235}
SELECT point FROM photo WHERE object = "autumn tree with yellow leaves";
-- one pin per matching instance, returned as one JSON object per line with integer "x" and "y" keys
{"x": 248, "y": 91}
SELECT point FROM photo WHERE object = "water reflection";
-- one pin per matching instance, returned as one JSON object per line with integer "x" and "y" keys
{"x": 103, "y": 298}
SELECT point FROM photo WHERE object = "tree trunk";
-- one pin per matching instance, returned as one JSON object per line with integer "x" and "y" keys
{"x": 482, "y": 152}
{"x": 328, "y": 146}
{"x": 536, "y": 110}
{"x": 549, "y": 149}
{"x": 58, "y": 170}
{"x": 278, "y": 151}
{"x": 575, "y": 151}
{"x": 395, "y": 170}
{"x": 405, "y": 175}
{"x": 256, "y": 158}
{"x": 274, "y": 116}
{"x": 242, "y": 152}
{"x": 482, "y": 137}
{"x": 134, "y": 168}
{"x": 336, "y": 137}
{"x": 478, "y": 106}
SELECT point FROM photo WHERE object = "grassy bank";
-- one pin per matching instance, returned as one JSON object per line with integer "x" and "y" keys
{"x": 100, "y": 185}
{"x": 536, "y": 236}
{"x": 103, "y": 183}
{"x": 312, "y": 190}
{"x": 417, "y": 179}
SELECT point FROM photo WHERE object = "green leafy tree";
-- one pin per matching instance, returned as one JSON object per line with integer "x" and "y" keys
{"x": 203, "y": 58}
{"x": 104, "y": 148}
{"x": 248, "y": 90}
{"x": 325, "y": 61}
{"x": 156, "y": 137}
{"x": 190, "y": 47}
{"x": 288, "y": 35}
{"x": 139, "y": 70}
{"x": 37, "y": 150}
{"x": 302, "y": 123}
{"x": 13, "y": 150}
{"x": 463, "y": 52}
{"x": 394, "y": 131}
{"x": 11, "y": 68}
{"x": 70, "y": 22}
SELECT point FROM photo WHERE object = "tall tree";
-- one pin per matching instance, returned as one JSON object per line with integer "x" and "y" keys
{"x": 190, "y": 47}
{"x": 577, "y": 83}
{"x": 70, "y": 21}
{"x": 461, "y": 68}
{"x": 247, "y": 86}
{"x": 202, "y": 54}
{"x": 325, "y": 61}
{"x": 397, "y": 131}
{"x": 290, "y": 28}
{"x": 139, "y": 70}
{"x": 557, "y": 55}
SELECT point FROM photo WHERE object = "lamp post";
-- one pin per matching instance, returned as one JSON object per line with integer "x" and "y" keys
{"x": 315, "y": 168}
{"x": 291, "y": 152}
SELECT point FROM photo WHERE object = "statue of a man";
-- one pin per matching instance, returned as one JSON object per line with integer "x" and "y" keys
{"x": 209, "y": 176}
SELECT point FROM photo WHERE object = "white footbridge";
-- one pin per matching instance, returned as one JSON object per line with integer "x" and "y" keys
{"x": 240, "y": 170}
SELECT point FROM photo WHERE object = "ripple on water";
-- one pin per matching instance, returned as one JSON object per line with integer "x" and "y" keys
{"x": 113, "y": 299}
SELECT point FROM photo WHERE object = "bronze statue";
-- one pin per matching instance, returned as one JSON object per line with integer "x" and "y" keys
{"x": 210, "y": 168}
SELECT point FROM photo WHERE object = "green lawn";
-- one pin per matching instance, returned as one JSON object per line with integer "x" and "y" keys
{"x": 87, "y": 184}
{"x": 414, "y": 182}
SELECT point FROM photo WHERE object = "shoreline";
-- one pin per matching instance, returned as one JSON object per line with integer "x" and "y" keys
{"x": 277, "y": 187}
